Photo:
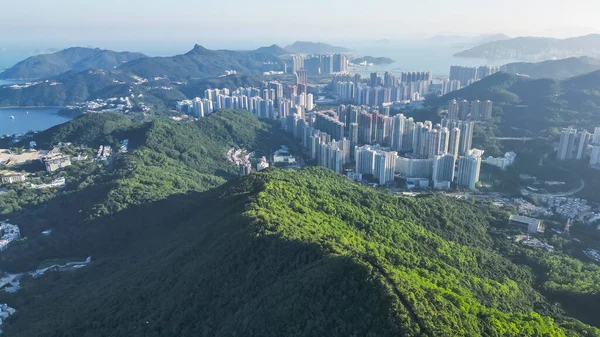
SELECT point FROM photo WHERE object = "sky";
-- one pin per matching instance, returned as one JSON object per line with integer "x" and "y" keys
{"x": 127, "y": 24}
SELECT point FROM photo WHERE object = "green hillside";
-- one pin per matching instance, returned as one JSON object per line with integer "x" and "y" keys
{"x": 182, "y": 246}
{"x": 307, "y": 253}
{"x": 555, "y": 69}
{"x": 76, "y": 59}
{"x": 201, "y": 63}
{"x": 69, "y": 88}
{"x": 539, "y": 106}
{"x": 165, "y": 158}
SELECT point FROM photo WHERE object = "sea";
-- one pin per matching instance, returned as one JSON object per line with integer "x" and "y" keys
{"x": 437, "y": 59}
{"x": 28, "y": 119}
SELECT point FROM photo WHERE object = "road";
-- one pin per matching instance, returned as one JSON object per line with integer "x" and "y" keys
{"x": 513, "y": 138}
{"x": 561, "y": 194}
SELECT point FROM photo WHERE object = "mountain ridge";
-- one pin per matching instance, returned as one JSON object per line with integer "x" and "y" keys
{"x": 74, "y": 58}
{"x": 201, "y": 62}
{"x": 536, "y": 48}
{"x": 556, "y": 69}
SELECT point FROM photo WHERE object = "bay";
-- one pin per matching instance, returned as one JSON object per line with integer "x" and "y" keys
{"x": 436, "y": 59}
{"x": 29, "y": 119}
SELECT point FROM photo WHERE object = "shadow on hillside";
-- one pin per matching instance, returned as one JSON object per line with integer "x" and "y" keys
{"x": 193, "y": 264}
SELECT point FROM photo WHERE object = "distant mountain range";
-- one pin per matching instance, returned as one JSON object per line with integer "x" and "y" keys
{"x": 76, "y": 58}
{"x": 466, "y": 41}
{"x": 556, "y": 69}
{"x": 304, "y": 47}
{"x": 536, "y": 48}
{"x": 201, "y": 62}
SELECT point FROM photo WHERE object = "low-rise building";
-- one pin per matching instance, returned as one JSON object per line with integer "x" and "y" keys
{"x": 12, "y": 178}
{"x": 533, "y": 226}
{"x": 57, "y": 162}
{"x": 262, "y": 164}
{"x": 283, "y": 156}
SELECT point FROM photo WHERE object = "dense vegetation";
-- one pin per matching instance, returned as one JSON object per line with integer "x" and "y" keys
{"x": 306, "y": 253}
{"x": 165, "y": 158}
{"x": 525, "y": 107}
{"x": 158, "y": 82}
{"x": 555, "y": 69}
{"x": 76, "y": 58}
{"x": 201, "y": 63}
{"x": 69, "y": 88}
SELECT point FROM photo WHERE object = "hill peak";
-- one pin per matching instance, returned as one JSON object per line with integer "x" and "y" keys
{"x": 198, "y": 49}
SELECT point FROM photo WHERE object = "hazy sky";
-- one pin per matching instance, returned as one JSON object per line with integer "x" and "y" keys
{"x": 129, "y": 24}
{"x": 322, "y": 19}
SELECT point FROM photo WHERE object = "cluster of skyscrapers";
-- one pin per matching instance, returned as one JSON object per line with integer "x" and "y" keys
{"x": 430, "y": 151}
{"x": 377, "y": 162}
{"x": 377, "y": 90}
{"x": 320, "y": 64}
{"x": 574, "y": 145}
{"x": 467, "y": 75}
{"x": 327, "y": 150}
{"x": 475, "y": 110}
{"x": 272, "y": 101}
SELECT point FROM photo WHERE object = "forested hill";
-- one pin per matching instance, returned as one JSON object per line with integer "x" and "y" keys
{"x": 201, "y": 63}
{"x": 308, "y": 253}
{"x": 76, "y": 59}
{"x": 539, "y": 105}
{"x": 555, "y": 69}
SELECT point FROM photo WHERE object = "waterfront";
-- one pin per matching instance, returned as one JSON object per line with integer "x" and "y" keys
{"x": 29, "y": 119}
{"x": 436, "y": 59}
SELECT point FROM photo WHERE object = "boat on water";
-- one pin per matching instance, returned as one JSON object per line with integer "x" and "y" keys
{"x": 12, "y": 117}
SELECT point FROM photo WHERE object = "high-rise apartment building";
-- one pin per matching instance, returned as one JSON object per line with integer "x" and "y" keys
{"x": 454, "y": 142}
{"x": 443, "y": 168}
{"x": 297, "y": 63}
{"x": 453, "y": 110}
{"x": 365, "y": 128}
{"x": 301, "y": 76}
{"x": 449, "y": 86}
{"x": 313, "y": 65}
{"x": 464, "y": 108}
{"x": 468, "y": 171}
{"x": 326, "y": 64}
{"x": 595, "y": 157}
{"x": 385, "y": 166}
{"x": 466, "y": 137}
{"x": 572, "y": 144}
{"x": 398, "y": 130}
{"x": 372, "y": 160}
{"x": 466, "y": 75}
{"x": 340, "y": 63}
